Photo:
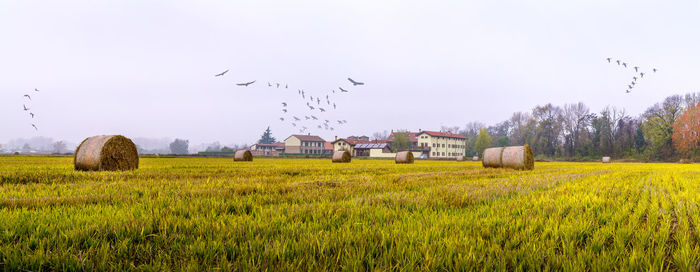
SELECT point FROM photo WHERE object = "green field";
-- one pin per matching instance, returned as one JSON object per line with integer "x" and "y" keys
{"x": 203, "y": 214}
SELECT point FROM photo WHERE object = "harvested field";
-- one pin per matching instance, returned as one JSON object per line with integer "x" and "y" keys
{"x": 206, "y": 214}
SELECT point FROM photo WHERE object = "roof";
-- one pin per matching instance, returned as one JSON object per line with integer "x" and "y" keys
{"x": 278, "y": 144}
{"x": 355, "y": 142}
{"x": 371, "y": 146}
{"x": 328, "y": 146}
{"x": 443, "y": 134}
{"x": 411, "y": 136}
{"x": 308, "y": 138}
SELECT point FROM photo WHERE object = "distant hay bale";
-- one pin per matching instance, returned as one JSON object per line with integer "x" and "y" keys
{"x": 341, "y": 156}
{"x": 106, "y": 153}
{"x": 492, "y": 157}
{"x": 518, "y": 158}
{"x": 606, "y": 159}
{"x": 404, "y": 157}
{"x": 243, "y": 155}
{"x": 685, "y": 161}
{"x": 16, "y": 153}
{"x": 475, "y": 158}
{"x": 461, "y": 158}
{"x": 514, "y": 157}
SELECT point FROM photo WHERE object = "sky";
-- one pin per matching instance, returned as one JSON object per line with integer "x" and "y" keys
{"x": 145, "y": 68}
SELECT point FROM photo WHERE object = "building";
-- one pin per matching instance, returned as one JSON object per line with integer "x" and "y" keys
{"x": 304, "y": 144}
{"x": 359, "y": 138}
{"x": 442, "y": 145}
{"x": 273, "y": 149}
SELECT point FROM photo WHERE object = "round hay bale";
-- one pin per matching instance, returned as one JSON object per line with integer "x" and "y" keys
{"x": 492, "y": 157}
{"x": 404, "y": 157}
{"x": 16, "y": 153}
{"x": 685, "y": 161}
{"x": 475, "y": 158}
{"x": 606, "y": 159}
{"x": 518, "y": 157}
{"x": 106, "y": 153}
{"x": 461, "y": 158}
{"x": 341, "y": 156}
{"x": 243, "y": 155}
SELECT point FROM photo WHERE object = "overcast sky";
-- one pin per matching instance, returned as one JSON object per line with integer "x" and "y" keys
{"x": 146, "y": 68}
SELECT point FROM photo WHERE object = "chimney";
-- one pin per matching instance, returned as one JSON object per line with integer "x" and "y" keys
{"x": 392, "y": 130}
{"x": 309, "y": 134}
{"x": 420, "y": 130}
{"x": 336, "y": 137}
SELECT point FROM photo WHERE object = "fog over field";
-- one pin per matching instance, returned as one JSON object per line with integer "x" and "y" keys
{"x": 146, "y": 69}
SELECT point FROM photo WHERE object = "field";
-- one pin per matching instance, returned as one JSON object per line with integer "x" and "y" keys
{"x": 204, "y": 214}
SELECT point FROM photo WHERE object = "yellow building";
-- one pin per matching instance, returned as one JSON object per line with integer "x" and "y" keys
{"x": 305, "y": 144}
{"x": 442, "y": 145}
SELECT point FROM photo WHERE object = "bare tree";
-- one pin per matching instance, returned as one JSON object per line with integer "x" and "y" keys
{"x": 380, "y": 135}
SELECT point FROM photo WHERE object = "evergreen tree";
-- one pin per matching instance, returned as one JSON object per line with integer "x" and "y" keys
{"x": 267, "y": 138}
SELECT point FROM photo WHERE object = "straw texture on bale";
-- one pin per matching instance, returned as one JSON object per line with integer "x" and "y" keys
{"x": 342, "y": 156}
{"x": 475, "y": 158}
{"x": 492, "y": 157}
{"x": 243, "y": 155}
{"x": 606, "y": 159}
{"x": 515, "y": 157}
{"x": 518, "y": 157}
{"x": 404, "y": 157}
{"x": 106, "y": 153}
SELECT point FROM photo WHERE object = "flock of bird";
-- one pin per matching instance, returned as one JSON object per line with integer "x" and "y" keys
{"x": 28, "y": 110}
{"x": 638, "y": 73}
{"x": 315, "y": 107}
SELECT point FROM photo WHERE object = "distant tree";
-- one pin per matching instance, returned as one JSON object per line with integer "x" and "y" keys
{"x": 59, "y": 147}
{"x": 483, "y": 141}
{"x": 214, "y": 147}
{"x": 658, "y": 128}
{"x": 180, "y": 146}
{"x": 226, "y": 149}
{"x": 380, "y": 135}
{"x": 401, "y": 141}
{"x": 686, "y": 132}
{"x": 267, "y": 138}
{"x": 26, "y": 148}
{"x": 549, "y": 126}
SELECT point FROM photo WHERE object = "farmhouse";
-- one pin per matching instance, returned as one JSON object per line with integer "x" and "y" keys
{"x": 442, "y": 144}
{"x": 273, "y": 149}
{"x": 304, "y": 144}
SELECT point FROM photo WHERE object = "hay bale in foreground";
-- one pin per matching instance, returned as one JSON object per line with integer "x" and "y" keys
{"x": 518, "y": 158}
{"x": 404, "y": 157}
{"x": 342, "y": 156}
{"x": 475, "y": 158}
{"x": 606, "y": 159}
{"x": 492, "y": 157}
{"x": 243, "y": 155}
{"x": 106, "y": 153}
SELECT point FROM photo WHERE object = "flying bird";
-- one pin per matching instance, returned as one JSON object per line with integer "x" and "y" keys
{"x": 636, "y": 68}
{"x": 307, "y": 118}
{"x": 35, "y": 127}
{"x": 618, "y": 62}
{"x": 284, "y": 110}
{"x": 355, "y": 83}
{"x": 634, "y": 78}
{"x": 319, "y": 126}
{"x": 608, "y": 60}
{"x": 220, "y": 74}
{"x": 25, "y": 108}
{"x": 641, "y": 75}
{"x": 321, "y": 109}
{"x": 278, "y": 85}
{"x": 36, "y": 90}
{"x": 32, "y": 114}
{"x": 333, "y": 105}
{"x": 269, "y": 85}
{"x": 633, "y": 83}
{"x": 27, "y": 96}
{"x": 293, "y": 124}
{"x": 343, "y": 90}
{"x": 284, "y": 104}
{"x": 339, "y": 122}
{"x": 296, "y": 119}
{"x": 281, "y": 119}
{"x": 246, "y": 84}
{"x": 314, "y": 117}
{"x": 286, "y": 87}
{"x": 624, "y": 64}
{"x": 311, "y": 107}
{"x": 654, "y": 70}
{"x": 628, "y": 91}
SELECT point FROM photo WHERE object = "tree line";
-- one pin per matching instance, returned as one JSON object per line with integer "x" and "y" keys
{"x": 666, "y": 131}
